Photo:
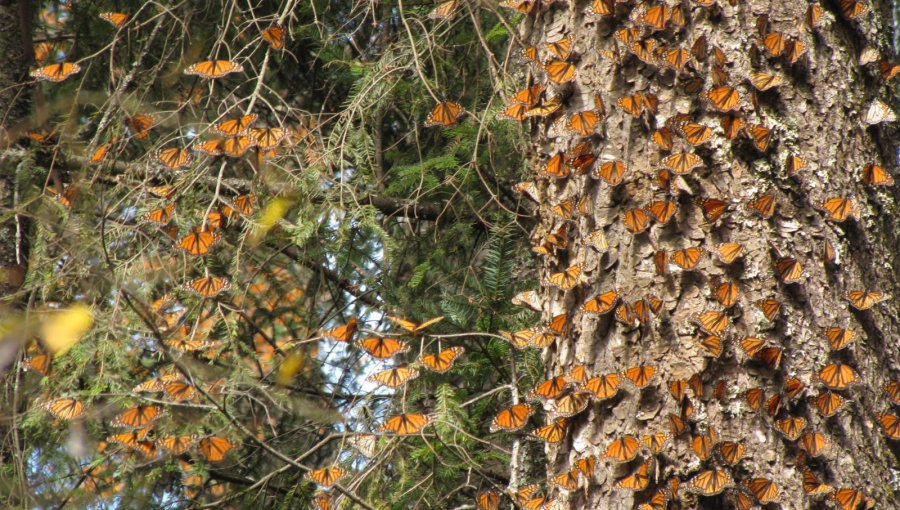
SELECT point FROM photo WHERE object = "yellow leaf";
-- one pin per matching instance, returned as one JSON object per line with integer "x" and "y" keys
{"x": 61, "y": 329}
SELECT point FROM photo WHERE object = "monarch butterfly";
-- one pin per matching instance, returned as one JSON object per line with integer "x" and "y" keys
{"x": 585, "y": 465}
{"x": 662, "y": 210}
{"x": 162, "y": 191}
{"x": 523, "y": 6}
{"x": 694, "y": 133}
{"x": 712, "y": 208}
{"x": 571, "y": 404}
{"x": 625, "y": 314}
{"x": 658, "y": 501}
{"x": 208, "y": 286}
{"x": 443, "y": 10}
{"x": 237, "y": 146}
{"x": 702, "y": 445}
{"x": 65, "y": 408}
{"x": 814, "y": 14}
{"x": 712, "y": 345}
{"x": 774, "y": 44}
{"x": 636, "y": 220}
{"x": 655, "y": 442}
{"x": 711, "y": 322}
{"x": 181, "y": 391}
{"x": 773, "y": 405}
{"x": 442, "y": 361}
{"x": 603, "y": 7}
{"x": 633, "y": 104}
{"x": 601, "y": 304}
{"x": 183, "y": 342}
{"x": 760, "y": 135}
{"x": 405, "y": 424}
{"x": 523, "y": 494}
{"x": 763, "y": 489}
{"x": 879, "y": 112}
{"x": 274, "y": 35}
{"x": 771, "y": 308}
{"x": 710, "y": 482}
{"x": 444, "y": 114}
{"x": 486, "y": 500}
{"x": 56, "y": 72}
{"x": 364, "y": 444}
{"x": 764, "y": 81}
{"x": 794, "y": 164}
{"x": 637, "y": 481}
{"x": 624, "y": 449}
{"x": 891, "y": 424}
{"x": 44, "y": 51}
{"x": 100, "y": 154}
{"x": 677, "y": 425}
{"x": 326, "y": 477}
{"x": 814, "y": 444}
{"x": 235, "y": 126}
{"x": 687, "y": 258}
{"x": 851, "y": 9}
{"x": 198, "y": 242}
{"x": 644, "y": 50}
{"x": 552, "y": 433}
{"x": 138, "y": 417}
{"x": 612, "y": 172}
{"x": 828, "y": 403}
{"x": 663, "y": 138}
{"x": 550, "y": 388}
{"x": 811, "y": 484}
{"x": 582, "y": 123}
{"x": 729, "y": 252}
{"x": 723, "y": 99}
{"x": 531, "y": 337}
{"x": 603, "y": 387}
{"x": 864, "y": 299}
{"x": 548, "y": 106}
{"x": 383, "y": 348}
{"x": 131, "y": 440}
{"x": 837, "y": 376}
{"x": 176, "y": 444}
{"x": 139, "y": 125}
{"x": 160, "y": 216}
{"x": 323, "y": 501}
{"x": 839, "y": 209}
{"x": 213, "y": 69}
{"x": 640, "y": 375}
{"x": 661, "y": 262}
{"x": 577, "y": 374}
{"x": 38, "y": 360}
{"x": 210, "y": 147}
{"x": 561, "y": 48}
{"x": 771, "y": 356}
{"x": 792, "y": 387}
{"x": 655, "y": 17}
{"x": 727, "y": 294}
{"x": 512, "y": 418}
{"x": 116, "y": 18}
{"x": 764, "y": 205}
{"x": 673, "y": 58}
{"x": 596, "y": 239}
{"x": 838, "y": 338}
{"x": 173, "y": 158}
{"x": 515, "y": 111}
{"x": 751, "y": 345}
{"x": 791, "y": 428}
{"x": 731, "y": 451}
{"x": 874, "y": 175}
{"x": 789, "y": 270}
{"x": 681, "y": 163}
{"x": 413, "y": 328}
{"x": 560, "y": 71}
{"x": 795, "y": 49}
{"x": 566, "y": 279}
{"x": 343, "y": 333}
{"x": 892, "y": 388}
{"x": 394, "y": 377}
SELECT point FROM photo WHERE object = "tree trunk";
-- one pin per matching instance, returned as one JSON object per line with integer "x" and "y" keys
{"x": 816, "y": 114}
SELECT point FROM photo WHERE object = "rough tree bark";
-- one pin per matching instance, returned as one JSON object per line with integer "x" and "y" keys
{"x": 815, "y": 114}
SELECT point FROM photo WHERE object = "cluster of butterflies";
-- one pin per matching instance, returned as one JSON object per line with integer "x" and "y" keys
{"x": 565, "y": 396}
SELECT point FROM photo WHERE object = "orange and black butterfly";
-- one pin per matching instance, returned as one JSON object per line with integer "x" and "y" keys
{"x": 640, "y": 376}
{"x": 729, "y": 252}
{"x": 445, "y": 113}
{"x": 612, "y": 172}
{"x": 711, "y": 322}
{"x": 237, "y": 146}
{"x": 662, "y": 210}
{"x": 383, "y": 348}
{"x": 603, "y": 387}
{"x": 760, "y": 135}
{"x": 838, "y": 338}
{"x": 512, "y": 418}
{"x": 675, "y": 58}
{"x": 712, "y": 208}
{"x": 891, "y": 425}
{"x": 215, "y": 448}
{"x": 236, "y": 126}
{"x": 268, "y": 138}
{"x": 343, "y": 333}
{"x": 771, "y": 308}
{"x": 413, "y": 328}
{"x": 710, "y": 482}
{"x": 66, "y": 409}
{"x": 560, "y": 71}
{"x": 636, "y": 220}
{"x": 394, "y": 377}
{"x": 731, "y": 451}
{"x": 326, "y": 477}
{"x": 837, "y": 376}
{"x": 198, "y": 242}
{"x": 852, "y": 9}
{"x": 763, "y": 81}
{"x": 764, "y": 490}
{"x": 812, "y": 485}
{"x": 117, "y": 19}
{"x": 139, "y": 125}
{"x": 687, "y": 258}
{"x": 789, "y": 270}
{"x": 552, "y": 433}
{"x": 550, "y": 388}
{"x": 864, "y": 299}
{"x": 138, "y": 417}
{"x": 655, "y": 442}
{"x": 892, "y": 388}
{"x": 566, "y": 279}
{"x": 274, "y": 35}
{"x": 703, "y": 445}
{"x": 695, "y": 133}
{"x": 176, "y": 444}
{"x": 181, "y": 391}
{"x": 405, "y": 424}
{"x": 173, "y": 158}
{"x": 712, "y": 345}
{"x": 444, "y": 10}
{"x": 723, "y": 99}
{"x": 208, "y": 286}
{"x": 56, "y": 72}
{"x": 637, "y": 481}
{"x": 571, "y": 404}
{"x": 364, "y": 444}
{"x": 681, "y": 163}
{"x": 874, "y": 175}
{"x": 791, "y": 428}
{"x": 839, "y": 209}
{"x": 828, "y": 403}
{"x": 793, "y": 387}
{"x": 623, "y": 449}
{"x": 486, "y": 500}
{"x": 727, "y": 294}
{"x": 160, "y": 216}
{"x": 814, "y": 443}
{"x": 763, "y": 205}
{"x": 442, "y": 361}
{"x": 213, "y": 69}
{"x": 602, "y": 304}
